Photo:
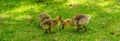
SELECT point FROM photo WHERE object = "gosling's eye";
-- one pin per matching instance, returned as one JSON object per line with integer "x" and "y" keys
{"x": 63, "y": 24}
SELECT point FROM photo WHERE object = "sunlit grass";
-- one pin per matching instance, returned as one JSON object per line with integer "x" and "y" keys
{"x": 20, "y": 23}
{"x": 23, "y": 8}
{"x": 106, "y": 3}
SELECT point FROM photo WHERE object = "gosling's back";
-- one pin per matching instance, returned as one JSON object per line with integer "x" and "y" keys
{"x": 82, "y": 19}
{"x": 44, "y": 16}
{"x": 48, "y": 22}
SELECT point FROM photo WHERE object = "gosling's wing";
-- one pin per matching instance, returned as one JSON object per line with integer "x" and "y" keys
{"x": 84, "y": 21}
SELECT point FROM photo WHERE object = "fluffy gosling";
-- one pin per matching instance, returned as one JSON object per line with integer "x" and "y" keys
{"x": 50, "y": 23}
{"x": 77, "y": 20}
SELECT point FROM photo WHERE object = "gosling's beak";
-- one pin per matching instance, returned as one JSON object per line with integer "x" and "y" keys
{"x": 60, "y": 19}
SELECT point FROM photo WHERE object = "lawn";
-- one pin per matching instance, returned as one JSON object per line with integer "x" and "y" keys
{"x": 19, "y": 20}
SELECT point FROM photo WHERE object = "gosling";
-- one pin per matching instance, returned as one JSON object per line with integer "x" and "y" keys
{"x": 50, "y": 23}
{"x": 77, "y": 20}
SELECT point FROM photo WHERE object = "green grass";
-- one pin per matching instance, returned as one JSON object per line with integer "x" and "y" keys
{"x": 16, "y": 26}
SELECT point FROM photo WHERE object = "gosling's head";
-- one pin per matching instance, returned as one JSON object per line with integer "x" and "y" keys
{"x": 66, "y": 22}
{"x": 58, "y": 19}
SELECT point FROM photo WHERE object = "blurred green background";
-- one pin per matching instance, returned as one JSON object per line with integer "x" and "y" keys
{"x": 19, "y": 20}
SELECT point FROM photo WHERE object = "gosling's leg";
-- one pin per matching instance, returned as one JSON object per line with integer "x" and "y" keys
{"x": 63, "y": 26}
{"x": 46, "y": 31}
{"x": 85, "y": 28}
{"x": 49, "y": 29}
{"x": 78, "y": 25}
{"x": 78, "y": 28}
